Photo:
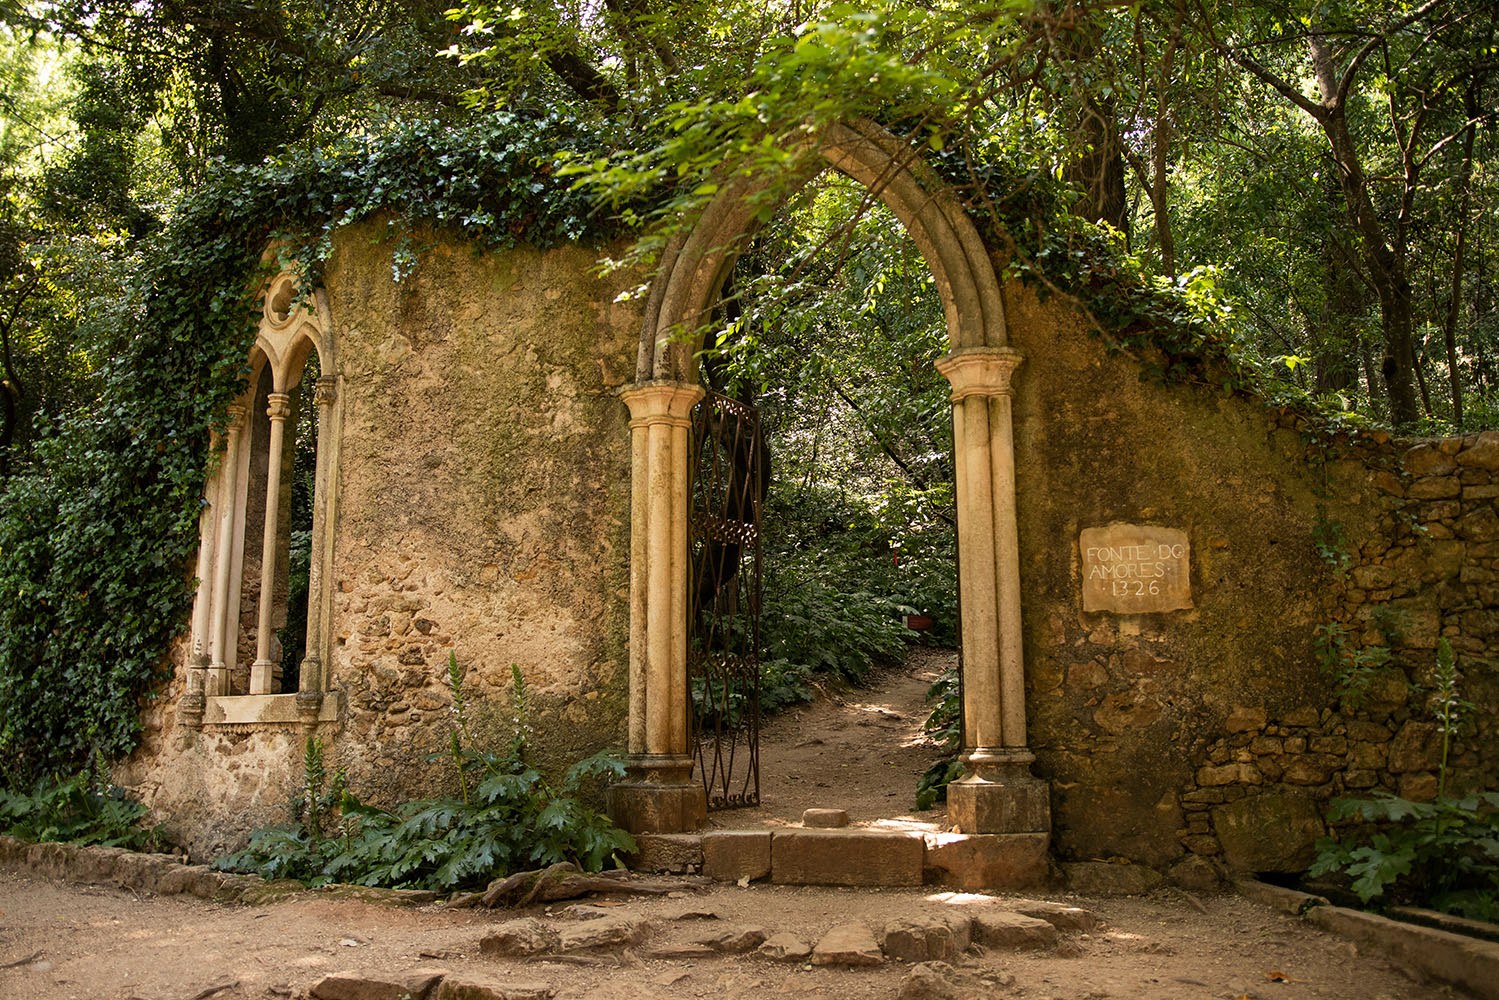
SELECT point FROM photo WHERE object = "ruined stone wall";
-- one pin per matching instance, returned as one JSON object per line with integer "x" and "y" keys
{"x": 481, "y": 509}
{"x": 1426, "y": 568}
{"x": 482, "y": 503}
{"x": 483, "y": 506}
{"x": 1215, "y": 732}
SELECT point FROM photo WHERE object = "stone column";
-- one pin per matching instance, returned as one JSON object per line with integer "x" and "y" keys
{"x": 224, "y": 618}
{"x": 997, "y": 794}
{"x": 310, "y": 684}
{"x": 659, "y": 794}
{"x": 191, "y": 706}
{"x": 265, "y": 672}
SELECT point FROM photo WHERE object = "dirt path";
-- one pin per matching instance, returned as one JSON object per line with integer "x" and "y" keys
{"x": 68, "y": 942}
{"x": 861, "y": 752}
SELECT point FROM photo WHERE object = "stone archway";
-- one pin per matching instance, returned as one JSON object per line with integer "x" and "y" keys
{"x": 997, "y": 794}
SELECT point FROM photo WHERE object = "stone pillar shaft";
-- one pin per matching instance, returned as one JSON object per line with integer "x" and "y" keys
{"x": 222, "y": 625}
{"x": 265, "y": 671}
{"x": 310, "y": 683}
{"x": 993, "y": 671}
{"x": 659, "y": 794}
{"x": 997, "y": 793}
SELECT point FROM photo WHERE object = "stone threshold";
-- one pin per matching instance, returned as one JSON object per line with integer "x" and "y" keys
{"x": 1468, "y": 962}
{"x": 852, "y": 856}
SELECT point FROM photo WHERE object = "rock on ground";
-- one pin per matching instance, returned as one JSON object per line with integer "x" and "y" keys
{"x": 848, "y": 944}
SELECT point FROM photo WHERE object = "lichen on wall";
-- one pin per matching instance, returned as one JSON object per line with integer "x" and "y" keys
{"x": 483, "y": 501}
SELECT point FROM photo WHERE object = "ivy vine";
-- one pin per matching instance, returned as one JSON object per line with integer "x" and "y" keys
{"x": 98, "y": 533}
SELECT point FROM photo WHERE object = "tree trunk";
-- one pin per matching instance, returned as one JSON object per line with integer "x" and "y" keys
{"x": 1336, "y": 348}
{"x": 1385, "y": 262}
{"x": 1455, "y": 297}
{"x": 1099, "y": 171}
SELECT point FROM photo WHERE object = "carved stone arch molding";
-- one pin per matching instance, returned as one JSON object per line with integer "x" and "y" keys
{"x": 248, "y": 484}
{"x": 998, "y": 795}
{"x": 695, "y": 264}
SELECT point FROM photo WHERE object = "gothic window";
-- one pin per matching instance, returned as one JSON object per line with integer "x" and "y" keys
{"x": 258, "y": 641}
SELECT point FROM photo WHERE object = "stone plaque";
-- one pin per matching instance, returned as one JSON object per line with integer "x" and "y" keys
{"x": 1133, "y": 569}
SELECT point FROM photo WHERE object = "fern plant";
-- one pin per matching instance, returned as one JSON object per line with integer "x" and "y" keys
{"x": 507, "y": 817}
{"x": 1444, "y": 852}
{"x": 85, "y": 808}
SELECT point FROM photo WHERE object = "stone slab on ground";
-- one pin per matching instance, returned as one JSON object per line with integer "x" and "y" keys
{"x": 926, "y": 937}
{"x": 518, "y": 939}
{"x": 731, "y": 855}
{"x": 848, "y": 944}
{"x": 1279, "y": 898}
{"x": 1060, "y": 915}
{"x": 471, "y": 987}
{"x": 929, "y": 981}
{"x": 677, "y": 853}
{"x": 732, "y": 940}
{"x": 1012, "y": 931}
{"x": 989, "y": 860}
{"x": 1452, "y": 958}
{"x": 606, "y": 932}
{"x": 415, "y": 984}
{"x": 846, "y": 857}
{"x": 1100, "y": 878}
{"x": 826, "y": 819}
{"x": 785, "y": 947}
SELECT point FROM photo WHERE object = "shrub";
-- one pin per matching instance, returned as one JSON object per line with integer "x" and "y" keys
{"x": 1444, "y": 853}
{"x": 82, "y": 809}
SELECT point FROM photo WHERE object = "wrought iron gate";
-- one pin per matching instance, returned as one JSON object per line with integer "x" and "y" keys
{"x": 726, "y": 487}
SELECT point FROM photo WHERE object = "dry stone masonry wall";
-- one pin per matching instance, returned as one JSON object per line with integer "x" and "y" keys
{"x": 1209, "y": 729}
{"x": 1429, "y": 569}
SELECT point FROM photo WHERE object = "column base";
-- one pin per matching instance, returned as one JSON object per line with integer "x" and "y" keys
{"x": 999, "y": 794}
{"x": 658, "y": 795}
{"x": 265, "y": 677}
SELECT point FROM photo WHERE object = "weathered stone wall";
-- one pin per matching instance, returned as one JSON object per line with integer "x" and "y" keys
{"x": 1216, "y": 731}
{"x": 1425, "y": 569}
{"x": 482, "y": 504}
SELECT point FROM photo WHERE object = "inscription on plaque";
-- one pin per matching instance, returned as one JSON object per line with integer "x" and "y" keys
{"x": 1136, "y": 569}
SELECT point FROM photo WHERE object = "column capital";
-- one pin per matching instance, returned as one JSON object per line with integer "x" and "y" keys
{"x": 278, "y": 406}
{"x": 661, "y": 402}
{"x": 236, "y": 414}
{"x": 325, "y": 391}
{"x": 979, "y": 371}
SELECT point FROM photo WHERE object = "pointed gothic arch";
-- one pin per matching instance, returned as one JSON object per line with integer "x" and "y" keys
{"x": 998, "y": 793}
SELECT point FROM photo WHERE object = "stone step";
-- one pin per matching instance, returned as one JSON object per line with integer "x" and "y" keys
{"x": 852, "y": 856}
